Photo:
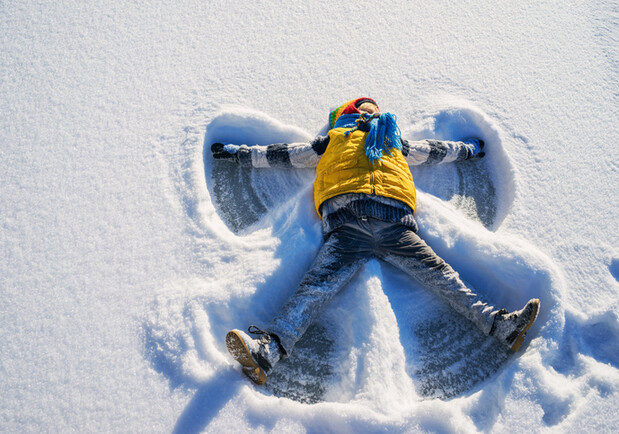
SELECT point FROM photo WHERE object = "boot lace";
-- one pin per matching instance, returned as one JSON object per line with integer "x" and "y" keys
{"x": 501, "y": 312}
{"x": 263, "y": 336}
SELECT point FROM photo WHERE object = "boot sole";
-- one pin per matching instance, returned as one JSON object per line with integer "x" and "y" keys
{"x": 240, "y": 352}
{"x": 520, "y": 339}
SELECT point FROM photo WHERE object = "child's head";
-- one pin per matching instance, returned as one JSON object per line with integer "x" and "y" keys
{"x": 358, "y": 105}
{"x": 368, "y": 107}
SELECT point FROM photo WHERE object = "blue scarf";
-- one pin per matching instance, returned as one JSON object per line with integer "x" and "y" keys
{"x": 383, "y": 132}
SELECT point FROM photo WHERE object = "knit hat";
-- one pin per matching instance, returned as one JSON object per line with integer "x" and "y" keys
{"x": 349, "y": 107}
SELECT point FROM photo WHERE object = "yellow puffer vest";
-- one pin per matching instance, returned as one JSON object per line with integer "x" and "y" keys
{"x": 344, "y": 168}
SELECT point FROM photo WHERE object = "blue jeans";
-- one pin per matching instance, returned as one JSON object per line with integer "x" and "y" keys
{"x": 347, "y": 249}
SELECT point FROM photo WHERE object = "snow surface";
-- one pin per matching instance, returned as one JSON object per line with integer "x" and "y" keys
{"x": 126, "y": 255}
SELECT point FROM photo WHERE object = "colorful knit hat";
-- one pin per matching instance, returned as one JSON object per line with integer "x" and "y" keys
{"x": 350, "y": 107}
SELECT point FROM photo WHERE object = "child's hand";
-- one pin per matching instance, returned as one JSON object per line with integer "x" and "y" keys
{"x": 220, "y": 153}
{"x": 474, "y": 147}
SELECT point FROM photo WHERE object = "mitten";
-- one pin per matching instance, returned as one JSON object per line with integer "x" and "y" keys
{"x": 474, "y": 147}
{"x": 221, "y": 153}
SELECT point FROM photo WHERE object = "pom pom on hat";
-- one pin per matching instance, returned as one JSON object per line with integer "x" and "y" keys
{"x": 349, "y": 107}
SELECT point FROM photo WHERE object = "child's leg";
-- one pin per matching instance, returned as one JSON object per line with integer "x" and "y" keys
{"x": 403, "y": 248}
{"x": 337, "y": 262}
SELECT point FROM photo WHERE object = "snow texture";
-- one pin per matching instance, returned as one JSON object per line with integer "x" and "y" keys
{"x": 127, "y": 252}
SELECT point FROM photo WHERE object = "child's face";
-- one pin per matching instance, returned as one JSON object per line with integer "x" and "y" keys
{"x": 368, "y": 108}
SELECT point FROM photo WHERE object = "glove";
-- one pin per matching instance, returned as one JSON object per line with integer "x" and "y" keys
{"x": 474, "y": 147}
{"x": 220, "y": 153}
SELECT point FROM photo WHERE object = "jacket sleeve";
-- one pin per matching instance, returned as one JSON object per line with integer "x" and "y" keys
{"x": 281, "y": 155}
{"x": 433, "y": 151}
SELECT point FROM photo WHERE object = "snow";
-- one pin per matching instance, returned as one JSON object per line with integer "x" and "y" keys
{"x": 127, "y": 253}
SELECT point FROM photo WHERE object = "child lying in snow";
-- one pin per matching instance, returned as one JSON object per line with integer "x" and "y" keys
{"x": 365, "y": 196}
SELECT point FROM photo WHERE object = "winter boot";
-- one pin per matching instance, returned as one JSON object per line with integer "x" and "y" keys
{"x": 511, "y": 328}
{"x": 257, "y": 356}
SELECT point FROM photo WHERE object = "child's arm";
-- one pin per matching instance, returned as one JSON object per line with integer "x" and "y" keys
{"x": 280, "y": 155}
{"x": 441, "y": 151}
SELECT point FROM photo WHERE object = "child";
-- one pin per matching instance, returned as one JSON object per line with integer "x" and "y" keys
{"x": 365, "y": 195}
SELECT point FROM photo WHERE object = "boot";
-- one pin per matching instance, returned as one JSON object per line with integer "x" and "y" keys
{"x": 257, "y": 356}
{"x": 511, "y": 328}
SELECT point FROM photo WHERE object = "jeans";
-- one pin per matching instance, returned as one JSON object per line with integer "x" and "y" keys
{"x": 347, "y": 249}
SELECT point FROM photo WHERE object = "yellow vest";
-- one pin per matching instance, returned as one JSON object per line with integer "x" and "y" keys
{"x": 344, "y": 168}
